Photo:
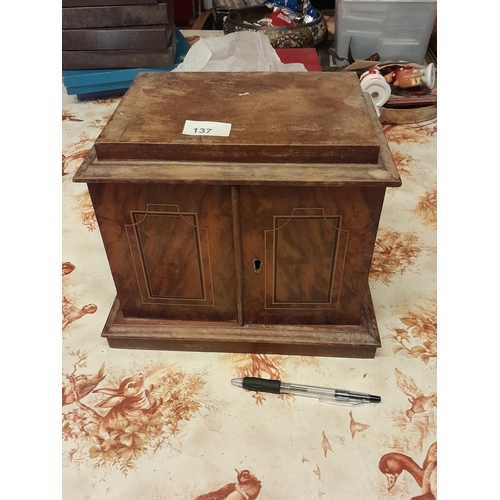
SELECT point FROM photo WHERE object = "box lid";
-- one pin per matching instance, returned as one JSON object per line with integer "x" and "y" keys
{"x": 296, "y": 129}
{"x": 274, "y": 117}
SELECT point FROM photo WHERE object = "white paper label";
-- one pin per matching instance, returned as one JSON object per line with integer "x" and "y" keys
{"x": 207, "y": 128}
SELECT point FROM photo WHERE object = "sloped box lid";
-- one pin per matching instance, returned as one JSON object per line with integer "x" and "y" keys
{"x": 289, "y": 121}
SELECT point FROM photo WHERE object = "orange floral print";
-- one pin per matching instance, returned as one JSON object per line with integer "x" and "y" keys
{"x": 100, "y": 123}
{"x": 417, "y": 336}
{"x": 393, "y": 254}
{"x": 105, "y": 101}
{"x": 426, "y": 208}
{"x": 404, "y": 163}
{"x": 69, "y": 116}
{"x": 407, "y": 134}
{"x": 83, "y": 204}
{"x": 134, "y": 418}
{"x": 76, "y": 153}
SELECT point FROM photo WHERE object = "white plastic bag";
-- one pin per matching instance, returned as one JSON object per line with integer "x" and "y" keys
{"x": 239, "y": 51}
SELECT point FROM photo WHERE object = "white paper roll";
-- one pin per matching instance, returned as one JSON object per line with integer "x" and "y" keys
{"x": 377, "y": 87}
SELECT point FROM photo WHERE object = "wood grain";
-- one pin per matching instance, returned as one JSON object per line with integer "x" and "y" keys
{"x": 96, "y": 3}
{"x": 383, "y": 173}
{"x": 229, "y": 173}
{"x": 305, "y": 117}
{"x": 358, "y": 341}
{"x": 313, "y": 273}
{"x": 157, "y": 37}
{"x": 170, "y": 249}
{"x": 103, "y": 59}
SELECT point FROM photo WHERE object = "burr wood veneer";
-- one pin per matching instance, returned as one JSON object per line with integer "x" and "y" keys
{"x": 256, "y": 242}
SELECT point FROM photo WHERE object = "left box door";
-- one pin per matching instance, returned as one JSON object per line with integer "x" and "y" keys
{"x": 170, "y": 249}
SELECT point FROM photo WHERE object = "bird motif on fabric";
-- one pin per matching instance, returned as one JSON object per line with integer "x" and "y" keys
{"x": 82, "y": 385}
{"x": 246, "y": 487}
{"x": 67, "y": 268}
{"x": 393, "y": 464}
{"x": 71, "y": 313}
{"x": 356, "y": 426}
{"x": 317, "y": 471}
{"x": 325, "y": 443}
{"x": 420, "y": 403}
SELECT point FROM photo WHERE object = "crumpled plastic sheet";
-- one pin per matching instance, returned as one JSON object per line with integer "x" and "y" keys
{"x": 239, "y": 51}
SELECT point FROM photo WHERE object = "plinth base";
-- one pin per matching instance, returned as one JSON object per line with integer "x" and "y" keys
{"x": 347, "y": 341}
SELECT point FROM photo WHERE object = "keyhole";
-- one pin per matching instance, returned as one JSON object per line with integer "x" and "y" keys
{"x": 257, "y": 265}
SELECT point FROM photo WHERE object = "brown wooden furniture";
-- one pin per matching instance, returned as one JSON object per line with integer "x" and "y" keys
{"x": 256, "y": 242}
{"x": 117, "y": 34}
{"x": 205, "y": 21}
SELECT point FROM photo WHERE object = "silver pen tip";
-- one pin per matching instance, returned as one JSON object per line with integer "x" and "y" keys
{"x": 238, "y": 382}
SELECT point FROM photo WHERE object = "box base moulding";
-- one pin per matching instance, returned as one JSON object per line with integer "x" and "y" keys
{"x": 352, "y": 341}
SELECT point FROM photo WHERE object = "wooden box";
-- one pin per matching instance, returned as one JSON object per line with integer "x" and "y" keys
{"x": 154, "y": 37}
{"x": 260, "y": 241}
{"x": 100, "y": 3}
{"x": 97, "y": 59}
{"x": 117, "y": 15}
{"x": 138, "y": 35}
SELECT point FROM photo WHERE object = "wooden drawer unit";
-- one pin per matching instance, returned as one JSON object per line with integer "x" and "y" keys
{"x": 259, "y": 241}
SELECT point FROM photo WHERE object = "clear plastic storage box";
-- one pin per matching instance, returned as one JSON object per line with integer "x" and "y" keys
{"x": 397, "y": 30}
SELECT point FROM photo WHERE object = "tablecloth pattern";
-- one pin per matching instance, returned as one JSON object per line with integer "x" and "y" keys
{"x": 196, "y": 436}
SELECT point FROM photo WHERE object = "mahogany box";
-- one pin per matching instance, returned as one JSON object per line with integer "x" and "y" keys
{"x": 256, "y": 239}
{"x": 142, "y": 58}
{"x": 113, "y": 35}
{"x": 97, "y": 3}
{"x": 153, "y": 37}
{"x": 117, "y": 15}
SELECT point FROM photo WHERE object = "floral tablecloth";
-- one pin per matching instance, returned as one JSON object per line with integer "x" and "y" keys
{"x": 196, "y": 436}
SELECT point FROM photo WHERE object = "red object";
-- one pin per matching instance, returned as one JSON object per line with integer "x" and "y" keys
{"x": 279, "y": 18}
{"x": 183, "y": 13}
{"x": 308, "y": 57}
{"x": 391, "y": 76}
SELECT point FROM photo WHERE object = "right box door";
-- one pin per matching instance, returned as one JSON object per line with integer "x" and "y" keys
{"x": 306, "y": 252}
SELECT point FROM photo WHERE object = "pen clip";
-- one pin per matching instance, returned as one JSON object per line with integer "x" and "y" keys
{"x": 337, "y": 402}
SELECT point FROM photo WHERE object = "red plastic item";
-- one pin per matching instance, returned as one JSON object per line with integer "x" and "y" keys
{"x": 307, "y": 56}
{"x": 280, "y": 18}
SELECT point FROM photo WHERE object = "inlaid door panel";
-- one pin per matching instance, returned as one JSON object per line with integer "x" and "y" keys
{"x": 306, "y": 271}
{"x": 306, "y": 252}
{"x": 171, "y": 256}
{"x": 170, "y": 249}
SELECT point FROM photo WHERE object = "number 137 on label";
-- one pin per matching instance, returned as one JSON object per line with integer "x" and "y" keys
{"x": 219, "y": 129}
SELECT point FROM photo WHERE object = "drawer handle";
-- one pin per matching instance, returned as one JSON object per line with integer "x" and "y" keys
{"x": 257, "y": 265}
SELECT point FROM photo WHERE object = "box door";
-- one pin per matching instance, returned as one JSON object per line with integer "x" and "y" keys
{"x": 170, "y": 249}
{"x": 306, "y": 253}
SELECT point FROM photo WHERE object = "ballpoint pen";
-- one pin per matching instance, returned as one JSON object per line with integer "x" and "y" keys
{"x": 339, "y": 397}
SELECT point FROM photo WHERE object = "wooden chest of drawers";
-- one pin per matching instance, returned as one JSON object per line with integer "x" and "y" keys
{"x": 258, "y": 241}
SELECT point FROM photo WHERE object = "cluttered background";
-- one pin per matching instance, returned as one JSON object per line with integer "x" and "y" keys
{"x": 392, "y": 46}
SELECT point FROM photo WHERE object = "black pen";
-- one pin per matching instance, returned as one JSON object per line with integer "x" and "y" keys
{"x": 324, "y": 394}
